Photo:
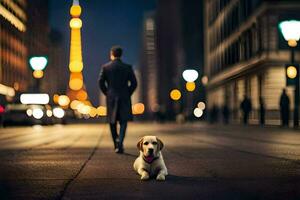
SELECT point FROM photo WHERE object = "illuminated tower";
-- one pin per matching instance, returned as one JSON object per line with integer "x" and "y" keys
{"x": 76, "y": 89}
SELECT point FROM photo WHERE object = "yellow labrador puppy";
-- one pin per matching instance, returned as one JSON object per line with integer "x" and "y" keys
{"x": 150, "y": 161}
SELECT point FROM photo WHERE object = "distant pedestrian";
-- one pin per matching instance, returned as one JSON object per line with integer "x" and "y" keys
{"x": 261, "y": 111}
{"x": 226, "y": 114}
{"x": 118, "y": 82}
{"x": 214, "y": 114}
{"x": 284, "y": 108}
{"x": 246, "y": 108}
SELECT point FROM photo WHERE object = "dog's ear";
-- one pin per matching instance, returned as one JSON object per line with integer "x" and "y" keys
{"x": 160, "y": 144}
{"x": 140, "y": 144}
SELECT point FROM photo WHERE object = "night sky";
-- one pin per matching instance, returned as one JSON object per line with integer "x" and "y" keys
{"x": 105, "y": 23}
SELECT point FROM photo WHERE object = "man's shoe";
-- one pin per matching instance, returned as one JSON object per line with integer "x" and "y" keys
{"x": 119, "y": 150}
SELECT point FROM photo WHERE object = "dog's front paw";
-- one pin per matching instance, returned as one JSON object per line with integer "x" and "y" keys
{"x": 160, "y": 177}
{"x": 145, "y": 176}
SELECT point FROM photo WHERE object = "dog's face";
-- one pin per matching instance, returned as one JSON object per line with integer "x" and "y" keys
{"x": 150, "y": 146}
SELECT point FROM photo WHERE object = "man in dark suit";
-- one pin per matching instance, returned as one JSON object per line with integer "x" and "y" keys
{"x": 118, "y": 82}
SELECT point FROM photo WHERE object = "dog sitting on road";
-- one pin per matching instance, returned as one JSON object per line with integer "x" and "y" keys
{"x": 150, "y": 161}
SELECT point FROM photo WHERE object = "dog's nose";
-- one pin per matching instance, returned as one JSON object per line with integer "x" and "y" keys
{"x": 150, "y": 150}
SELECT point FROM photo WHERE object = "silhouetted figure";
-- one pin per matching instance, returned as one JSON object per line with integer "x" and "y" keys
{"x": 262, "y": 111}
{"x": 246, "y": 107}
{"x": 226, "y": 114}
{"x": 284, "y": 108}
{"x": 118, "y": 82}
{"x": 214, "y": 114}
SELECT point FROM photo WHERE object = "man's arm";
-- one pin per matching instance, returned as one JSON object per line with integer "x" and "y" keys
{"x": 102, "y": 81}
{"x": 133, "y": 82}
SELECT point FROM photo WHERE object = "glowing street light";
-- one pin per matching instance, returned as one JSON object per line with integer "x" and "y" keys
{"x": 38, "y": 62}
{"x": 290, "y": 31}
{"x": 190, "y": 75}
{"x": 190, "y": 86}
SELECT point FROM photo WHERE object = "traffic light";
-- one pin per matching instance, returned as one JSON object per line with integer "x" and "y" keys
{"x": 291, "y": 74}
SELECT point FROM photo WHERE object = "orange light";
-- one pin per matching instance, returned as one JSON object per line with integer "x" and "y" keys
{"x": 75, "y": 11}
{"x": 55, "y": 98}
{"x": 101, "y": 111}
{"x": 38, "y": 74}
{"x": 190, "y": 86}
{"x": 74, "y": 104}
{"x": 138, "y": 109}
{"x": 292, "y": 43}
{"x": 82, "y": 95}
{"x": 175, "y": 94}
{"x": 76, "y": 66}
{"x": 76, "y": 84}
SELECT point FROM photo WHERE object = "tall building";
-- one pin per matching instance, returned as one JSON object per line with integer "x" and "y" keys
{"x": 245, "y": 53}
{"x": 13, "y": 50}
{"x": 172, "y": 43}
{"x": 149, "y": 65}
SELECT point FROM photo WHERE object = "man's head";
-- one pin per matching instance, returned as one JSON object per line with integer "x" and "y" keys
{"x": 116, "y": 52}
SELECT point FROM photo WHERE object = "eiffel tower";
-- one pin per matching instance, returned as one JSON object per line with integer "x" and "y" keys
{"x": 76, "y": 89}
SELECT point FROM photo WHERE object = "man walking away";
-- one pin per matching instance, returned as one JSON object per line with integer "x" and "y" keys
{"x": 246, "y": 107}
{"x": 284, "y": 108}
{"x": 118, "y": 82}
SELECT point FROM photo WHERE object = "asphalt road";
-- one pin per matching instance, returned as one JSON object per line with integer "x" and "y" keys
{"x": 204, "y": 162}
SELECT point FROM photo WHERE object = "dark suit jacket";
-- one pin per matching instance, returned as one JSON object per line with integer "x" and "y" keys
{"x": 118, "y": 82}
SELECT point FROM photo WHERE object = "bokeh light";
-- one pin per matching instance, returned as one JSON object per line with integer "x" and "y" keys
{"x": 291, "y": 72}
{"x": 198, "y": 112}
{"x": 63, "y": 100}
{"x": 175, "y": 94}
{"x": 138, "y": 109}
{"x": 190, "y": 86}
{"x": 75, "y": 11}
{"x": 201, "y": 105}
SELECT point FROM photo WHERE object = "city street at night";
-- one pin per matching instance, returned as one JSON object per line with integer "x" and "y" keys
{"x": 204, "y": 162}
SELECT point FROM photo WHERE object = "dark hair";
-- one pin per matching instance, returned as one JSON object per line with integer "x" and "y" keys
{"x": 116, "y": 51}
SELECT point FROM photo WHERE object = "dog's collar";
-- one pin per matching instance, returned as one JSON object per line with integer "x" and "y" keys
{"x": 149, "y": 160}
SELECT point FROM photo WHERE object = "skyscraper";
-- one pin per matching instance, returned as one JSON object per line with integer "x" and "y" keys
{"x": 13, "y": 50}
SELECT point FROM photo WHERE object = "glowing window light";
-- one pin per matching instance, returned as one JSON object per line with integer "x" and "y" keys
{"x": 12, "y": 19}
{"x": 190, "y": 75}
{"x": 16, "y": 9}
{"x": 38, "y": 62}
{"x": 34, "y": 98}
{"x": 101, "y": 111}
{"x": 290, "y": 31}
{"x": 291, "y": 72}
{"x": 76, "y": 84}
{"x": 138, "y": 109}
{"x": 81, "y": 95}
{"x": 63, "y": 100}
{"x": 201, "y": 105}
{"x": 175, "y": 94}
{"x": 58, "y": 112}
{"x": 198, "y": 112}
{"x": 37, "y": 113}
{"x": 38, "y": 74}
{"x": 76, "y": 66}
{"x": 190, "y": 86}
{"x": 76, "y": 23}
{"x": 75, "y": 10}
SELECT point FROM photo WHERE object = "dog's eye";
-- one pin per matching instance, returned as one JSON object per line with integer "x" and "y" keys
{"x": 154, "y": 143}
{"x": 146, "y": 143}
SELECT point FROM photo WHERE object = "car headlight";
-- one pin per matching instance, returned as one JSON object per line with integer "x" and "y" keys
{"x": 37, "y": 113}
{"x": 58, "y": 112}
